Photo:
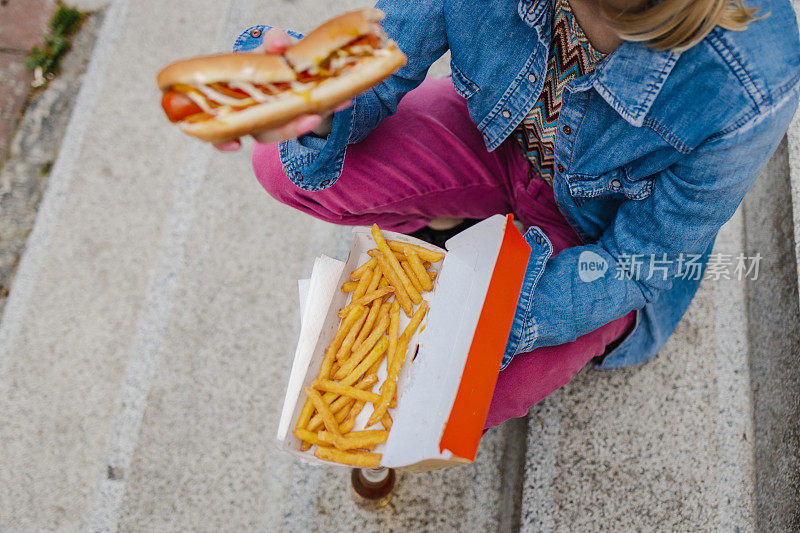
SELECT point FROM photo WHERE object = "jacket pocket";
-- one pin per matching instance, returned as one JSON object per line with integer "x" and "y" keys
{"x": 618, "y": 182}
{"x": 464, "y": 86}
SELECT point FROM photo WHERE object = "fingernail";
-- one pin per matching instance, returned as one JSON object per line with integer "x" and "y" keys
{"x": 230, "y": 146}
{"x": 343, "y": 106}
{"x": 275, "y": 39}
{"x": 309, "y": 123}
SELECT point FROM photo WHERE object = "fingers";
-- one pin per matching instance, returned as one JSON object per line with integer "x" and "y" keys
{"x": 296, "y": 128}
{"x": 342, "y": 106}
{"x": 230, "y": 146}
{"x": 276, "y": 41}
{"x": 299, "y": 126}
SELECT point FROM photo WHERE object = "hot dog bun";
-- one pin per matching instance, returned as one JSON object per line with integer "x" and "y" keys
{"x": 255, "y": 68}
{"x": 289, "y": 105}
{"x": 330, "y": 36}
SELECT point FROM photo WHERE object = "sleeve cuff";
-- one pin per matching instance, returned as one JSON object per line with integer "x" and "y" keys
{"x": 253, "y": 37}
{"x": 313, "y": 163}
{"x": 524, "y": 329}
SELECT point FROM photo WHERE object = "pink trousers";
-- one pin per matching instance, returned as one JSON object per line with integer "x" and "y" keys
{"x": 429, "y": 160}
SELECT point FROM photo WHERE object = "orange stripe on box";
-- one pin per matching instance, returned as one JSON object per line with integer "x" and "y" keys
{"x": 462, "y": 433}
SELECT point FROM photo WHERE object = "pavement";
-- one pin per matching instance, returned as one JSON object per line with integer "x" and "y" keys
{"x": 149, "y": 330}
{"x": 21, "y": 25}
{"x": 24, "y": 171}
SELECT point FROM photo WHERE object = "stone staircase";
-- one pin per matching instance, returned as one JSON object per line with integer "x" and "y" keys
{"x": 148, "y": 337}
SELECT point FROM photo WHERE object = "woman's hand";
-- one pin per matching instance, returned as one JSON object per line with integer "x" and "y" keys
{"x": 276, "y": 42}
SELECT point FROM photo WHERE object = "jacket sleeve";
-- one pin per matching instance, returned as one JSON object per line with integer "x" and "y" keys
{"x": 314, "y": 163}
{"x": 650, "y": 242}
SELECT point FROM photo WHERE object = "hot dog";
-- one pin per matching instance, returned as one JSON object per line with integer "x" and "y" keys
{"x": 222, "y": 97}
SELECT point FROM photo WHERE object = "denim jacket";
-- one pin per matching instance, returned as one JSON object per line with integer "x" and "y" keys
{"x": 654, "y": 152}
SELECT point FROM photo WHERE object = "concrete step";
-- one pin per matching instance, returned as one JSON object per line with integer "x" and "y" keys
{"x": 662, "y": 446}
{"x": 793, "y": 149}
{"x": 148, "y": 337}
{"x": 773, "y": 330}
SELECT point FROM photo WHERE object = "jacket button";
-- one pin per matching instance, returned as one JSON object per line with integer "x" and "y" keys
{"x": 506, "y": 113}
{"x": 324, "y": 183}
{"x": 485, "y": 137}
{"x": 298, "y": 176}
{"x": 532, "y": 77}
{"x": 616, "y": 183}
{"x": 567, "y": 130}
{"x": 560, "y": 167}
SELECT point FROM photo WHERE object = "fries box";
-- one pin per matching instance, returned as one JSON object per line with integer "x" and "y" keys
{"x": 452, "y": 363}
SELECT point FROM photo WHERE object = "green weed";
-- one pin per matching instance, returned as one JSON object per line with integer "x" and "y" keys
{"x": 44, "y": 60}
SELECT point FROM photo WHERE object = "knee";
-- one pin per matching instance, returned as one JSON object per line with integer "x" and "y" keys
{"x": 270, "y": 174}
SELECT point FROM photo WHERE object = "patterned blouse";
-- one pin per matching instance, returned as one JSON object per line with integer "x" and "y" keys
{"x": 571, "y": 56}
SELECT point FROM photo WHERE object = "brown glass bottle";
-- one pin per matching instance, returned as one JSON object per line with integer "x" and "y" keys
{"x": 372, "y": 487}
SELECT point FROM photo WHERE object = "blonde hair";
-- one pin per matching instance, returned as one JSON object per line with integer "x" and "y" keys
{"x": 677, "y": 24}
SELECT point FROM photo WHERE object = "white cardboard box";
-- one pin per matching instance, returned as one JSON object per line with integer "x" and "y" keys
{"x": 453, "y": 360}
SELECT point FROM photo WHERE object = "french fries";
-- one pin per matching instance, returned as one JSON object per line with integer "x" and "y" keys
{"x": 366, "y": 346}
{"x": 415, "y": 321}
{"x": 347, "y": 343}
{"x": 377, "y": 274}
{"x": 333, "y": 348}
{"x": 374, "y": 356}
{"x": 365, "y": 440}
{"x": 345, "y": 390}
{"x": 353, "y": 458}
{"x": 350, "y": 422}
{"x": 394, "y": 330}
{"x": 419, "y": 270}
{"x": 399, "y": 255}
{"x": 341, "y": 404}
{"x": 312, "y": 438}
{"x": 424, "y": 253}
{"x": 366, "y": 299}
{"x": 395, "y": 264}
{"x": 412, "y": 277}
{"x": 369, "y": 324}
{"x": 349, "y": 286}
{"x": 400, "y": 290}
{"x": 359, "y": 272}
{"x": 393, "y": 279}
{"x": 389, "y": 386}
{"x": 327, "y": 416}
{"x": 363, "y": 283}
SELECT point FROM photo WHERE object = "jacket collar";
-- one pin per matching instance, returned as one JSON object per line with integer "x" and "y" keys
{"x": 629, "y": 79}
{"x": 532, "y": 11}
